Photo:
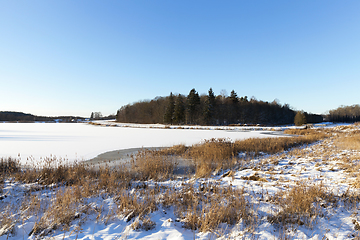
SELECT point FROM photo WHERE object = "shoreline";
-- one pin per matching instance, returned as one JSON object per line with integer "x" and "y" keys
{"x": 123, "y": 158}
{"x": 116, "y": 157}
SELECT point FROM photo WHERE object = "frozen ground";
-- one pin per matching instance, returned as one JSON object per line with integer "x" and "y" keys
{"x": 320, "y": 163}
{"x": 81, "y": 141}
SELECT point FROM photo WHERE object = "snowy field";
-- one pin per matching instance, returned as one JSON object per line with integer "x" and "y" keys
{"x": 270, "y": 184}
{"x": 81, "y": 141}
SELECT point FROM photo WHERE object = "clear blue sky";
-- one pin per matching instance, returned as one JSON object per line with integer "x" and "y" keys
{"x": 74, "y": 57}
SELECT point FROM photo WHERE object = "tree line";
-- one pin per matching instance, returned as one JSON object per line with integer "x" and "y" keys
{"x": 9, "y": 116}
{"x": 209, "y": 110}
{"x": 345, "y": 114}
{"x": 20, "y": 116}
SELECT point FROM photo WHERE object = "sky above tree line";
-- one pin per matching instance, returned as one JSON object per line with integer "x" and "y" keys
{"x": 77, "y": 57}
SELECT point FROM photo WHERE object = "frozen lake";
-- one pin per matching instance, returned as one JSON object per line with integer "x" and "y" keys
{"x": 81, "y": 141}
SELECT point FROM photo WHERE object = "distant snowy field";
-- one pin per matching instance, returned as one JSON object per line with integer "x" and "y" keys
{"x": 81, "y": 141}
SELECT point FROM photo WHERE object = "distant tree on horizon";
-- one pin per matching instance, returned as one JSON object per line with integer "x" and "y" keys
{"x": 300, "y": 118}
{"x": 96, "y": 115}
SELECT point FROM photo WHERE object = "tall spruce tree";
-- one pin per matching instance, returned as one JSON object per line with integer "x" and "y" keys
{"x": 193, "y": 102}
{"x": 233, "y": 108}
{"x": 209, "y": 107}
{"x": 234, "y": 98}
{"x": 169, "y": 112}
{"x": 179, "y": 110}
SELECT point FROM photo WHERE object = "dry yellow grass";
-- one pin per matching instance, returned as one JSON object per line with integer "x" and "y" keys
{"x": 8, "y": 166}
{"x": 301, "y": 204}
{"x": 132, "y": 206}
{"x": 65, "y": 207}
{"x": 208, "y": 206}
{"x": 350, "y": 141}
{"x": 255, "y": 177}
{"x": 174, "y": 150}
{"x": 148, "y": 164}
{"x": 214, "y": 154}
{"x": 275, "y": 145}
{"x": 301, "y": 131}
{"x": 7, "y": 223}
{"x": 220, "y": 154}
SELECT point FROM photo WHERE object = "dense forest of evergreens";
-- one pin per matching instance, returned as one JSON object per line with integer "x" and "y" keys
{"x": 209, "y": 110}
{"x": 345, "y": 114}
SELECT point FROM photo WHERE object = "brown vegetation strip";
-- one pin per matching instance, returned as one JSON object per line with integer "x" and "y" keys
{"x": 216, "y": 154}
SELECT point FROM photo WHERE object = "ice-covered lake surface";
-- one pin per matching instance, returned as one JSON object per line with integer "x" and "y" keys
{"x": 82, "y": 141}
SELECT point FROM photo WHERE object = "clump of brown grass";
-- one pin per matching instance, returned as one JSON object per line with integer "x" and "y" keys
{"x": 148, "y": 164}
{"x": 65, "y": 207}
{"x": 275, "y": 145}
{"x": 211, "y": 155}
{"x": 55, "y": 171}
{"x": 111, "y": 179}
{"x": 301, "y": 204}
{"x": 301, "y": 131}
{"x": 207, "y": 207}
{"x": 76, "y": 174}
{"x": 351, "y": 199}
{"x": 7, "y": 223}
{"x": 174, "y": 150}
{"x": 144, "y": 223}
{"x": 255, "y": 177}
{"x": 9, "y": 166}
{"x": 137, "y": 205}
{"x": 208, "y": 156}
{"x": 31, "y": 205}
{"x": 350, "y": 141}
{"x": 213, "y": 149}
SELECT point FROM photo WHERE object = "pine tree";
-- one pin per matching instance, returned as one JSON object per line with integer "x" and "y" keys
{"x": 209, "y": 107}
{"x": 193, "y": 101}
{"x": 233, "y": 108}
{"x": 234, "y": 98}
{"x": 169, "y": 112}
{"x": 179, "y": 110}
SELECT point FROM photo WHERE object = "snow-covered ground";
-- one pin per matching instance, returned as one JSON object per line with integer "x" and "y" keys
{"x": 81, "y": 141}
{"x": 322, "y": 163}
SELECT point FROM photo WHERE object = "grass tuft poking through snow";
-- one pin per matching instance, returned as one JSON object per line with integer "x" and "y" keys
{"x": 301, "y": 204}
